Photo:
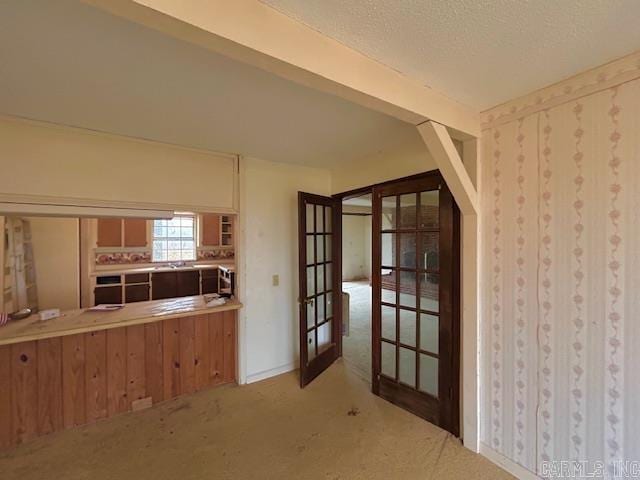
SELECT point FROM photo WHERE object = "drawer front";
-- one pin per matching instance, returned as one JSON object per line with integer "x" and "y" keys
{"x": 136, "y": 293}
{"x": 136, "y": 278}
{"x": 108, "y": 295}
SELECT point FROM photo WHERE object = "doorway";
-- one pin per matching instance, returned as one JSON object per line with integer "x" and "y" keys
{"x": 357, "y": 214}
{"x": 414, "y": 289}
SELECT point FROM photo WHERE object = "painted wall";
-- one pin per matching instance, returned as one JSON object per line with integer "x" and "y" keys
{"x": 55, "y": 162}
{"x": 269, "y": 246}
{"x": 354, "y": 261}
{"x": 560, "y": 278}
{"x": 56, "y": 251}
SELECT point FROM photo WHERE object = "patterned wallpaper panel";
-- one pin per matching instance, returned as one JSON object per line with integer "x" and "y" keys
{"x": 561, "y": 281}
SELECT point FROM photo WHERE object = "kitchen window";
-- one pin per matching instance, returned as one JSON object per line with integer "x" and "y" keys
{"x": 174, "y": 240}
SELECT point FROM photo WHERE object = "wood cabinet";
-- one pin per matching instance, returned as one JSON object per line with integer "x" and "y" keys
{"x": 165, "y": 285}
{"x": 210, "y": 230}
{"x": 119, "y": 232}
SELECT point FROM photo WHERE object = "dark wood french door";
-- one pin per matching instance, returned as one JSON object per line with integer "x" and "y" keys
{"x": 319, "y": 244}
{"x": 415, "y": 298}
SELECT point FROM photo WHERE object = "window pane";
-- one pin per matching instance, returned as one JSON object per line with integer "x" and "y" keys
{"x": 429, "y": 291}
{"x": 319, "y": 248}
{"x": 388, "y": 249}
{"x": 429, "y": 374}
{"x": 408, "y": 250}
{"x": 429, "y": 209}
{"x": 408, "y": 327}
{"x": 327, "y": 219}
{"x": 310, "y": 217}
{"x": 388, "y": 281}
{"x": 429, "y": 332}
{"x": 319, "y": 278}
{"x": 327, "y": 247}
{"x": 311, "y": 345}
{"x": 319, "y": 301}
{"x": 389, "y": 213}
{"x": 408, "y": 209}
{"x": 327, "y": 274}
{"x": 429, "y": 256}
{"x": 319, "y": 219}
{"x": 407, "y": 289}
{"x": 311, "y": 314}
{"x": 324, "y": 336}
{"x": 174, "y": 240}
{"x": 310, "y": 252}
{"x": 388, "y": 320}
{"x": 388, "y": 360}
{"x": 407, "y": 371}
{"x": 329, "y": 309}
{"x": 311, "y": 284}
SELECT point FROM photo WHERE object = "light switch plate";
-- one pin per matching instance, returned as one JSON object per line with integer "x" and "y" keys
{"x": 275, "y": 280}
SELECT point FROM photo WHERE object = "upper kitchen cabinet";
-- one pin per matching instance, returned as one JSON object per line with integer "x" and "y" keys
{"x": 217, "y": 230}
{"x": 118, "y": 232}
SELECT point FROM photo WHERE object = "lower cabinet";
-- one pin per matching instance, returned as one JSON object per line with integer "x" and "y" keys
{"x": 165, "y": 285}
{"x": 110, "y": 294}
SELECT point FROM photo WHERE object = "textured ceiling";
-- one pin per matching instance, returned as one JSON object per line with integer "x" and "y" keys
{"x": 69, "y": 63}
{"x": 478, "y": 52}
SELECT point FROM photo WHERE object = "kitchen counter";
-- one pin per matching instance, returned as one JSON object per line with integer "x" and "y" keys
{"x": 83, "y": 321}
{"x": 152, "y": 269}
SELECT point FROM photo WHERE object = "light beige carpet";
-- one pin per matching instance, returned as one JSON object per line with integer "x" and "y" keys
{"x": 333, "y": 429}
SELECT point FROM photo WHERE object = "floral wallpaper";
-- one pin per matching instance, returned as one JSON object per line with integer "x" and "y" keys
{"x": 561, "y": 277}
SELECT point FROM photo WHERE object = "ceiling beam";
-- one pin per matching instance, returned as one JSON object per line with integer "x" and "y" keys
{"x": 254, "y": 33}
{"x": 439, "y": 143}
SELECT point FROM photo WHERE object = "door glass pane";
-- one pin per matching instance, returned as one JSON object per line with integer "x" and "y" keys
{"x": 327, "y": 219}
{"x": 310, "y": 217}
{"x": 408, "y": 210}
{"x": 388, "y": 249}
{"x": 319, "y": 248}
{"x": 408, "y": 327}
{"x": 388, "y": 318}
{"x": 319, "y": 219}
{"x": 429, "y": 332}
{"x": 429, "y": 291}
{"x": 311, "y": 285}
{"x": 311, "y": 345}
{"x": 328, "y": 273}
{"x": 327, "y": 247}
{"x": 329, "y": 307}
{"x": 320, "y": 278}
{"x": 407, "y": 371}
{"x": 429, "y": 374}
{"x": 389, "y": 213}
{"x": 320, "y": 307}
{"x": 429, "y": 209}
{"x": 388, "y": 359}
{"x": 388, "y": 283}
{"x": 408, "y": 289}
{"x": 311, "y": 314}
{"x": 429, "y": 253}
{"x": 408, "y": 250}
{"x": 310, "y": 252}
{"x": 324, "y": 336}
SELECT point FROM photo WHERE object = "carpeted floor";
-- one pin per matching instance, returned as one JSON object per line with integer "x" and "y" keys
{"x": 334, "y": 429}
{"x": 356, "y": 348}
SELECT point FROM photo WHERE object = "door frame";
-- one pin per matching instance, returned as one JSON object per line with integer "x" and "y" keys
{"x": 455, "y": 425}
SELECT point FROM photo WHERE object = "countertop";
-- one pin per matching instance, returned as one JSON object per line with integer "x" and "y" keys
{"x": 82, "y": 321}
{"x": 122, "y": 271}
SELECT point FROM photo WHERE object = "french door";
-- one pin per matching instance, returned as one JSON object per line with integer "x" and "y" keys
{"x": 415, "y": 298}
{"x": 319, "y": 244}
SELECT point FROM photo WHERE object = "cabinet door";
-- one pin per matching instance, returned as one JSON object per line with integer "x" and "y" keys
{"x": 135, "y": 232}
{"x": 108, "y": 294}
{"x": 210, "y": 230}
{"x": 164, "y": 285}
{"x": 188, "y": 283}
{"x": 109, "y": 232}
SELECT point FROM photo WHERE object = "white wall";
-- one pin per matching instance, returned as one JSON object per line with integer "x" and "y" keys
{"x": 56, "y": 252}
{"x": 354, "y": 258}
{"x": 269, "y": 246}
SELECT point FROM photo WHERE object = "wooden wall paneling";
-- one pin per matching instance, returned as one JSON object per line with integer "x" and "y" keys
{"x": 95, "y": 375}
{"x": 210, "y": 230}
{"x": 187, "y": 355}
{"x": 5, "y": 396}
{"x": 171, "y": 357}
{"x": 216, "y": 348}
{"x": 24, "y": 388}
{"x": 49, "y": 366}
{"x": 229, "y": 346}
{"x": 135, "y": 232}
{"x": 73, "y": 380}
{"x": 153, "y": 360}
{"x": 117, "y": 401}
{"x": 136, "y": 375}
{"x": 109, "y": 232}
{"x": 202, "y": 357}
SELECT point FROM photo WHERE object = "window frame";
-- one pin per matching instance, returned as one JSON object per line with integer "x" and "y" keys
{"x": 166, "y": 239}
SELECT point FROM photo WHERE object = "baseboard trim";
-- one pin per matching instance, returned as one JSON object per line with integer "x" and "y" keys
{"x": 510, "y": 466}
{"x": 272, "y": 372}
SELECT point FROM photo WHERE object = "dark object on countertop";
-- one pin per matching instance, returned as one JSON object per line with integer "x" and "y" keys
{"x": 20, "y": 314}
